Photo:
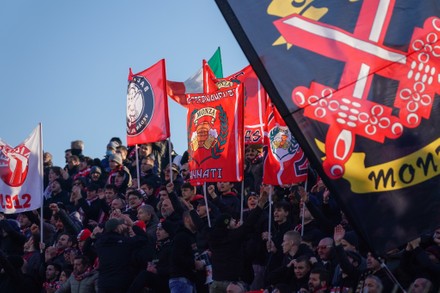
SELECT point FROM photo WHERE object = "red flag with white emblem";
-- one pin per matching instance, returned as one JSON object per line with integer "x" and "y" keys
{"x": 285, "y": 161}
{"x": 147, "y": 106}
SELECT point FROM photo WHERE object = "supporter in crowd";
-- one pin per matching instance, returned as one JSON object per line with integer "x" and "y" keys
{"x": 82, "y": 279}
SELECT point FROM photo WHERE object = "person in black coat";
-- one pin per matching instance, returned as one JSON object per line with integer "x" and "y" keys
{"x": 226, "y": 241}
{"x": 12, "y": 280}
{"x": 183, "y": 260}
{"x": 115, "y": 252}
{"x": 157, "y": 272}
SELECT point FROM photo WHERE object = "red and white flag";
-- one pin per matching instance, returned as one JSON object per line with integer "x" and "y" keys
{"x": 285, "y": 162}
{"x": 21, "y": 174}
{"x": 147, "y": 106}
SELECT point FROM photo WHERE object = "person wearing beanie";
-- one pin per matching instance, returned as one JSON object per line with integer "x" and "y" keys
{"x": 96, "y": 176}
{"x": 115, "y": 250}
{"x": 93, "y": 207}
{"x": 226, "y": 240}
{"x": 157, "y": 273}
{"x": 119, "y": 175}
{"x": 82, "y": 237}
{"x": 11, "y": 239}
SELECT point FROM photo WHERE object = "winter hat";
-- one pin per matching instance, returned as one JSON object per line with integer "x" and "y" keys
{"x": 15, "y": 225}
{"x": 84, "y": 235}
{"x": 32, "y": 217}
{"x": 168, "y": 226}
{"x": 140, "y": 224}
{"x": 112, "y": 224}
{"x": 112, "y": 145}
{"x": 95, "y": 169}
{"x": 352, "y": 238}
{"x": 116, "y": 158}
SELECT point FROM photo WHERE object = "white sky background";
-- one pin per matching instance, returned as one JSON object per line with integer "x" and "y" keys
{"x": 65, "y": 64}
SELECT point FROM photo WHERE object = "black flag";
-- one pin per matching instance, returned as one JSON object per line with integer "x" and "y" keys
{"x": 357, "y": 82}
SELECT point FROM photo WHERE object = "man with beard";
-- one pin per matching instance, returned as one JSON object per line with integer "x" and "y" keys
{"x": 318, "y": 281}
{"x": 83, "y": 278}
{"x": 292, "y": 249}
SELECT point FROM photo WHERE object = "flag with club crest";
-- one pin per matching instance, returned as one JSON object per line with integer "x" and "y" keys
{"x": 21, "y": 174}
{"x": 147, "y": 106}
{"x": 285, "y": 161}
{"x": 357, "y": 82}
{"x": 215, "y": 134}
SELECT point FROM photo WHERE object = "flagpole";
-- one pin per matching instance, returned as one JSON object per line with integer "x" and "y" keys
{"x": 42, "y": 182}
{"x": 303, "y": 208}
{"x": 206, "y": 204}
{"x": 171, "y": 160}
{"x": 137, "y": 166}
{"x": 390, "y": 274}
{"x": 242, "y": 201}
{"x": 269, "y": 237}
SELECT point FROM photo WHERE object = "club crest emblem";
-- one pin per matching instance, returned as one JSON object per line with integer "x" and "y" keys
{"x": 207, "y": 133}
{"x": 282, "y": 143}
{"x": 14, "y": 164}
{"x": 140, "y": 105}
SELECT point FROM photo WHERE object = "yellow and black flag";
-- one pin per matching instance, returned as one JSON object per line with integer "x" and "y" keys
{"x": 357, "y": 82}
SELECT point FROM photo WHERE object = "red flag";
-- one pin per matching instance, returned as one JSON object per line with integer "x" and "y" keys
{"x": 147, "y": 106}
{"x": 285, "y": 162}
{"x": 215, "y": 135}
{"x": 254, "y": 101}
{"x": 21, "y": 174}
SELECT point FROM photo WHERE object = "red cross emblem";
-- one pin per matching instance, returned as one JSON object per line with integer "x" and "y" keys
{"x": 346, "y": 110}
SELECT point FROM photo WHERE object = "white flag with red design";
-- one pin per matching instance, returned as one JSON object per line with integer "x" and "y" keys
{"x": 21, "y": 174}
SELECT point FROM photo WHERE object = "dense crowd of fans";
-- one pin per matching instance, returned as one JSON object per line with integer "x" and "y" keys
{"x": 109, "y": 226}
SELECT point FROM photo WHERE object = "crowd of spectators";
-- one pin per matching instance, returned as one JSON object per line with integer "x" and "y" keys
{"x": 110, "y": 226}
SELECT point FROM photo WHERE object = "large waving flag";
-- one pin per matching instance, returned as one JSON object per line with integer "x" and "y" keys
{"x": 147, "y": 106}
{"x": 357, "y": 84}
{"x": 194, "y": 84}
{"x": 215, "y": 135}
{"x": 21, "y": 174}
{"x": 285, "y": 161}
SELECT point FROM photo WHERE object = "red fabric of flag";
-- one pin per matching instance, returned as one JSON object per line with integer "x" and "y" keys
{"x": 255, "y": 98}
{"x": 147, "y": 106}
{"x": 285, "y": 162}
{"x": 215, "y": 135}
